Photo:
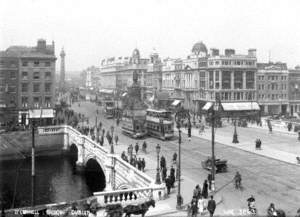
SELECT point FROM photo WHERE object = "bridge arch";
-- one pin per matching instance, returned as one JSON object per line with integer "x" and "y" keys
{"x": 95, "y": 175}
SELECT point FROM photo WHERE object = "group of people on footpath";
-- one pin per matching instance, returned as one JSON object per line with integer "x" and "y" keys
{"x": 139, "y": 163}
{"x": 171, "y": 178}
{"x": 200, "y": 202}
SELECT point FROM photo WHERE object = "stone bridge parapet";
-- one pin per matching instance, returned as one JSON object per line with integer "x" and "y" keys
{"x": 121, "y": 178}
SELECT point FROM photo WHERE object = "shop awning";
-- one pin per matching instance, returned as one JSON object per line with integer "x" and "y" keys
{"x": 234, "y": 106}
{"x": 176, "y": 102}
{"x": 108, "y": 91}
{"x": 207, "y": 106}
{"x": 41, "y": 113}
{"x": 241, "y": 106}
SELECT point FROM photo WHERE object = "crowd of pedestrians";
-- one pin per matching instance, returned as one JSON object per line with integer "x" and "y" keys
{"x": 132, "y": 158}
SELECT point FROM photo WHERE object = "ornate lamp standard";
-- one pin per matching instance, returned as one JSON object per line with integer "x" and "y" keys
{"x": 157, "y": 169}
{"x": 235, "y": 136}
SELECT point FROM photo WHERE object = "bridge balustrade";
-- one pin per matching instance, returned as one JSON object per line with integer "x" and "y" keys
{"x": 127, "y": 196}
{"x": 119, "y": 174}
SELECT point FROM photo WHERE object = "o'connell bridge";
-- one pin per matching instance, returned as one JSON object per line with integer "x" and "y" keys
{"x": 123, "y": 183}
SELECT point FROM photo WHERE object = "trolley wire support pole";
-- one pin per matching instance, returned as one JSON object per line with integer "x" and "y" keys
{"x": 181, "y": 114}
{"x": 213, "y": 148}
{"x": 33, "y": 167}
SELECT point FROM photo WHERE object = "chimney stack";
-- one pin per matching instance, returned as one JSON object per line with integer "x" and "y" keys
{"x": 252, "y": 52}
{"x": 214, "y": 52}
{"x": 41, "y": 45}
{"x": 229, "y": 52}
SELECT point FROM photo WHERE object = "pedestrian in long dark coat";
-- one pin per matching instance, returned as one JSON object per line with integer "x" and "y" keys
{"x": 194, "y": 207}
{"x": 205, "y": 189}
{"x": 143, "y": 164}
{"x": 209, "y": 178}
{"x": 168, "y": 184}
{"x": 174, "y": 157}
{"x": 172, "y": 175}
{"x": 164, "y": 174}
{"x": 211, "y": 206}
{"x": 162, "y": 162}
{"x": 139, "y": 164}
{"x": 136, "y": 148}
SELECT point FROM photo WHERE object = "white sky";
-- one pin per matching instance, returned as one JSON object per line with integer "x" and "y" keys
{"x": 90, "y": 30}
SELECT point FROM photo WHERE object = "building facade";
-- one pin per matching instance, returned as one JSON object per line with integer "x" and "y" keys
{"x": 294, "y": 90}
{"x": 35, "y": 81}
{"x": 273, "y": 88}
{"x": 117, "y": 73}
{"x": 231, "y": 77}
{"x": 203, "y": 77}
{"x": 9, "y": 68}
{"x": 183, "y": 77}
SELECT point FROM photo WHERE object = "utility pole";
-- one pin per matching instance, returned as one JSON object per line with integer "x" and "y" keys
{"x": 33, "y": 166}
{"x": 213, "y": 148}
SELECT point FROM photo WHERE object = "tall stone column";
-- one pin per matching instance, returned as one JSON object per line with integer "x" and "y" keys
{"x": 62, "y": 70}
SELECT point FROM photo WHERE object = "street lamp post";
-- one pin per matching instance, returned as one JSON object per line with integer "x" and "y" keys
{"x": 235, "y": 136}
{"x": 157, "y": 169}
{"x": 179, "y": 197}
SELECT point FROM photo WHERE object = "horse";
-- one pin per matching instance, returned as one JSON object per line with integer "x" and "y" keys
{"x": 140, "y": 209}
{"x": 114, "y": 210}
{"x": 280, "y": 213}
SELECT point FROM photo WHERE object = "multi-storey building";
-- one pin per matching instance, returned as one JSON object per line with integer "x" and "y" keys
{"x": 184, "y": 77}
{"x": 35, "y": 78}
{"x": 294, "y": 90}
{"x": 203, "y": 77}
{"x": 272, "y": 88}
{"x": 9, "y": 66}
{"x": 231, "y": 77}
{"x": 117, "y": 74}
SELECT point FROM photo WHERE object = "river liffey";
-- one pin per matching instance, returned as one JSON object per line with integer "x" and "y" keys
{"x": 56, "y": 181}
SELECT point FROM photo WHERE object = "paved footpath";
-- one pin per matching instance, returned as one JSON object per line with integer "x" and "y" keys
{"x": 283, "y": 147}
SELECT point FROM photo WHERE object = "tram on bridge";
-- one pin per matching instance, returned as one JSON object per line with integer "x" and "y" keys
{"x": 159, "y": 123}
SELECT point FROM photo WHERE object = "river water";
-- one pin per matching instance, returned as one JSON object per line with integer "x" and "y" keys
{"x": 56, "y": 181}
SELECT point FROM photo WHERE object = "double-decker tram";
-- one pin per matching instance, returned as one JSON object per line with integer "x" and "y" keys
{"x": 134, "y": 124}
{"x": 159, "y": 123}
{"x": 109, "y": 109}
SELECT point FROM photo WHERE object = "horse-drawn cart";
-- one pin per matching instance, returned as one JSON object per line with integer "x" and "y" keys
{"x": 220, "y": 165}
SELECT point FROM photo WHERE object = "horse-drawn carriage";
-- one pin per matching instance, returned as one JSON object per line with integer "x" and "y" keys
{"x": 116, "y": 210}
{"x": 220, "y": 165}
